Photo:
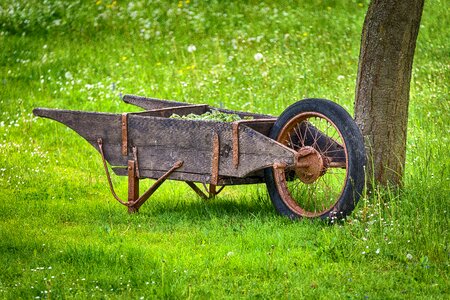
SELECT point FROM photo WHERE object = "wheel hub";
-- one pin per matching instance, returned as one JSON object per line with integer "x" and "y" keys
{"x": 310, "y": 164}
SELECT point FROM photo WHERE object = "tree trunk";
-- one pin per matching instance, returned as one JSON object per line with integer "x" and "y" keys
{"x": 382, "y": 89}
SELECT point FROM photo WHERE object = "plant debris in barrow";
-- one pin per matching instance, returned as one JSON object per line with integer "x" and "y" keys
{"x": 213, "y": 115}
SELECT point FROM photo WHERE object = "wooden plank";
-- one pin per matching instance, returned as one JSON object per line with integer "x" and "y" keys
{"x": 243, "y": 114}
{"x": 176, "y": 175}
{"x": 179, "y": 110}
{"x": 239, "y": 181}
{"x": 151, "y": 103}
{"x": 183, "y": 176}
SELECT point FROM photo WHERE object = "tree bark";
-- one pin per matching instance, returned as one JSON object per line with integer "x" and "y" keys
{"x": 382, "y": 89}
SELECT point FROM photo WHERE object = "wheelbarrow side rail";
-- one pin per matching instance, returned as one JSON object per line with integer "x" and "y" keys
{"x": 157, "y": 104}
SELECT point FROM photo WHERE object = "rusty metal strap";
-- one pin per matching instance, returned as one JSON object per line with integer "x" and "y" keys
{"x": 108, "y": 176}
{"x": 124, "y": 134}
{"x": 215, "y": 159}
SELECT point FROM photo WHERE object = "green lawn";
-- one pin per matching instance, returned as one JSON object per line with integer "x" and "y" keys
{"x": 62, "y": 235}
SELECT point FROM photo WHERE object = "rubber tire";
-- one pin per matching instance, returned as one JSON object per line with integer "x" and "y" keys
{"x": 354, "y": 144}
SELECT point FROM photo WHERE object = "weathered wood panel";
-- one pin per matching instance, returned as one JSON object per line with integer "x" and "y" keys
{"x": 263, "y": 128}
{"x": 191, "y": 141}
{"x": 91, "y": 126}
{"x": 151, "y": 103}
{"x": 179, "y": 110}
{"x": 88, "y": 124}
{"x": 243, "y": 114}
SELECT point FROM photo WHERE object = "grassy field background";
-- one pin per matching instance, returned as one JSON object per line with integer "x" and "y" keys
{"x": 63, "y": 236}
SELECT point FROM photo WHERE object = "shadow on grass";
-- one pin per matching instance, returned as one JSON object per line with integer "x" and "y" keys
{"x": 256, "y": 210}
{"x": 219, "y": 207}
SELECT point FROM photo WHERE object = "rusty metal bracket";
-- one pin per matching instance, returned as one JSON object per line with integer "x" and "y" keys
{"x": 215, "y": 159}
{"x": 198, "y": 191}
{"x": 124, "y": 134}
{"x": 235, "y": 136}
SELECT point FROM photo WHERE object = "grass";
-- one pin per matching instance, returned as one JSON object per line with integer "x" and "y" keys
{"x": 63, "y": 236}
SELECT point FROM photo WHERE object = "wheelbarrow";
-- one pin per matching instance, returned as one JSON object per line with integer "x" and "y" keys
{"x": 311, "y": 157}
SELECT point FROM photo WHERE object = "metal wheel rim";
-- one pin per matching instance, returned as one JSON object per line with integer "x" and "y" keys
{"x": 280, "y": 172}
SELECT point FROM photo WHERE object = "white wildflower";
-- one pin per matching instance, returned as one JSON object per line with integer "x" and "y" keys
{"x": 258, "y": 56}
{"x": 191, "y": 48}
{"x": 68, "y": 75}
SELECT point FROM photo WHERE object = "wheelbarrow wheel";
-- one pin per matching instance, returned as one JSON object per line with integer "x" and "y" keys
{"x": 327, "y": 178}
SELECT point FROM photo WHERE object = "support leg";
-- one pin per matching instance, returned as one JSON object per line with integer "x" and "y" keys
{"x": 134, "y": 205}
{"x": 133, "y": 186}
{"x": 211, "y": 191}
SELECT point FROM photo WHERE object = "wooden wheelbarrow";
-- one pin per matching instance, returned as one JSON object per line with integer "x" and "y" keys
{"x": 311, "y": 157}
